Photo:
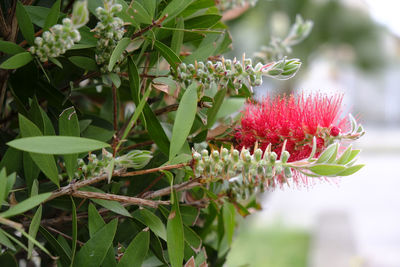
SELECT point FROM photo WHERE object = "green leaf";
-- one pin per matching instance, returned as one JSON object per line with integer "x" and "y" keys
{"x": 192, "y": 238}
{"x": 95, "y": 220}
{"x": 206, "y": 48}
{"x": 168, "y": 54}
{"x": 12, "y": 159}
{"x": 68, "y": 125}
{"x": 150, "y": 6}
{"x": 174, "y": 8}
{"x": 327, "y": 154}
{"x": 118, "y": 51}
{"x": 175, "y": 235}
{"x": 202, "y": 22}
{"x": 10, "y": 48}
{"x": 94, "y": 251}
{"x": 153, "y": 125}
{"x": 17, "y": 61}
{"x": 85, "y": 63}
{"x": 5, "y": 241}
{"x": 350, "y": 170}
{"x": 354, "y": 153}
{"x": 149, "y": 219}
{"x": 332, "y": 158}
{"x": 57, "y": 145}
{"x": 108, "y": 204}
{"x": 33, "y": 228}
{"x": 136, "y": 252}
{"x": 327, "y": 169}
{"x": 3, "y": 185}
{"x": 184, "y": 119}
{"x": 52, "y": 17}
{"x": 213, "y": 111}
{"x": 139, "y": 13}
{"x": 177, "y": 36}
{"x": 345, "y": 155}
{"x": 228, "y": 213}
{"x": 25, "y": 205}
{"x": 25, "y": 23}
{"x": 38, "y": 14}
{"x": 58, "y": 248}
{"x": 74, "y": 230}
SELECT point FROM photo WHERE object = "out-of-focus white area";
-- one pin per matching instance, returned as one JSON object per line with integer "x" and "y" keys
{"x": 386, "y": 12}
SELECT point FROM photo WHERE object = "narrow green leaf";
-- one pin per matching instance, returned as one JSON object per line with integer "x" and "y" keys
{"x": 350, "y": 170}
{"x": 177, "y": 36}
{"x": 3, "y": 185}
{"x": 139, "y": 13}
{"x": 10, "y": 48}
{"x": 74, "y": 230}
{"x": 354, "y": 153}
{"x": 17, "y": 61}
{"x": 192, "y": 238}
{"x": 332, "y": 158}
{"x": 52, "y": 17}
{"x": 5, "y": 241}
{"x": 175, "y": 235}
{"x": 57, "y": 247}
{"x": 85, "y": 63}
{"x": 94, "y": 251}
{"x": 10, "y": 182}
{"x": 206, "y": 48}
{"x": 38, "y": 14}
{"x": 96, "y": 222}
{"x": 326, "y": 155}
{"x": 213, "y": 111}
{"x": 12, "y": 159}
{"x": 118, "y": 51}
{"x": 136, "y": 252}
{"x": 57, "y": 145}
{"x": 174, "y": 8}
{"x": 327, "y": 169}
{"x": 150, "y": 6}
{"x": 184, "y": 119}
{"x": 228, "y": 213}
{"x": 205, "y": 21}
{"x": 25, "y": 205}
{"x": 168, "y": 54}
{"x": 46, "y": 163}
{"x": 25, "y": 23}
{"x": 153, "y": 125}
{"x": 68, "y": 125}
{"x": 152, "y": 221}
{"x": 33, "y": 228}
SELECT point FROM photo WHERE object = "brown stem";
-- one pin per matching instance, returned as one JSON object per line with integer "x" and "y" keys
{"x": 141, "y": 172}
{"x": 166, "y": 109}
{"x": 179, "y": 187}
{"x": 156, "y": 23}
{"x": 24, "y": 42}
{"x": 119, "y": 198}
{"x": 146, "y": 143}
{"x": 80, "y": 243}
{"x": 153, "y": 183}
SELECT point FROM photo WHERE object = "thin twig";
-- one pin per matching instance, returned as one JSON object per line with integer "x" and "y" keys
{"x": 119, "y": 198}
{"x": 156, "y": 23}
{"x": 179, "y": 187}
{"x": 141, "y": 172}
{"x": 80, "y": 243}
{"x": 146, "y": 143}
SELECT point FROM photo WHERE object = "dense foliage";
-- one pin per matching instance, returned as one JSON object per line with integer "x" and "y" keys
{"x": 121, "y": 141}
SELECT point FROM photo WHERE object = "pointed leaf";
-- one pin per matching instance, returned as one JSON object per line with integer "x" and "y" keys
{"x": 3, "y": 185}
{"x": 177, "y": 36}
{"x": 168, "y": 54}
{"x": 17, "y": 61}
{"x": 52, "y": 17}
{"x": 175, "y": 235}
{"x": 327, "y": 169}
{"x": 184, "y": 119}
{"x": 25, "y": 23}
{"x": 33, "y": 228}
{"x": 213, "y": 111}
{"x": 10, "y": 48}
{"x": 136, "y": 252}
{"x": 326, "y": 155}
{"x": 350, "y": 170}
{"x": 57, "y": 145}
{"x": 94, "y": 251}
{"x": 5, "y": 241}
{"x": 25, "y": 205}
{"x": 85, "y": 63}
{"x": 118, "y": 51}
{"x": 57, "y": 247}
{"x": 152, "y": 221}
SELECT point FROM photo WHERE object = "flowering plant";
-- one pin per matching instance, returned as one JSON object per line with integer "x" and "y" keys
{"x": 117, "y": 145}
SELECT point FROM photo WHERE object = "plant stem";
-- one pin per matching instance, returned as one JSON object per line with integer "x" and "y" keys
{"x": 115, "y": 118}
{"x": 141, "y": 172}
{"x": 119, "y": 198}
{"x": 156, "y": 23}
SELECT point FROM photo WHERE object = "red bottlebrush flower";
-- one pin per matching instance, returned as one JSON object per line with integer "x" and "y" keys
{"x": 295, "y": 119}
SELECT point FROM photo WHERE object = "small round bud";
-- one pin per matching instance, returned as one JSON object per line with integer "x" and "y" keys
{"x": 285, "y": 156}
{"x": 204, "y": 153}
{"x": 258, "y": 155}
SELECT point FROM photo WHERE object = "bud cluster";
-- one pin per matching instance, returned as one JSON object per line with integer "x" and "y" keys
{"x": 109, "y": 30}
{"x": 56, "y": 41}
{"x": 95, "y": 166}
{"x": 61, "y": 37}
{"x": 235, "y": 73}
{"x": 231, "y": 4}
{"x": 279, "y": 47}
{"x": 257, "y": 169}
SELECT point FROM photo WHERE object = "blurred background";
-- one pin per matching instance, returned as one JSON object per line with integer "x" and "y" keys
{"x": 354, "y": 49}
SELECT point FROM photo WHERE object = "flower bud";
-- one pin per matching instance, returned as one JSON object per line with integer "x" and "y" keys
{"x": 285, "y": 156}
{"x": 80, "y": 14}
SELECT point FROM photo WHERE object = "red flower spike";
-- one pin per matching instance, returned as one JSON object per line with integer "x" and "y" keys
{"x": 296, "y": 120}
